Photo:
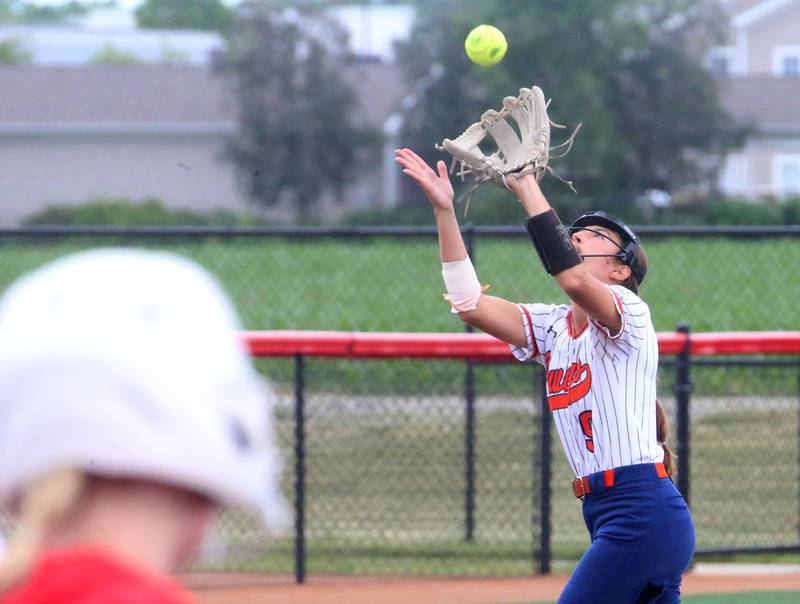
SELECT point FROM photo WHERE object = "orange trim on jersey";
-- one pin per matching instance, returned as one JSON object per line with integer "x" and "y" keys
{"x": 530, "y": 330}
{"x": 608, "y": 478}
{"x": 661, "y": 470}
{"x": 620, "y": 311}
{"x": 571, "y": 328}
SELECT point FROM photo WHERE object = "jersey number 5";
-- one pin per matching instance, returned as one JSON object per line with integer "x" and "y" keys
{"x": 585, "y": 419}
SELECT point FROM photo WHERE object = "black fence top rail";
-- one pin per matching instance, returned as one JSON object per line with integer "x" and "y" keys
{"x": 371, "y": 231}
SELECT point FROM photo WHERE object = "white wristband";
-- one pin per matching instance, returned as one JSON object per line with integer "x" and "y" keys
{"x": 463, "y": 288}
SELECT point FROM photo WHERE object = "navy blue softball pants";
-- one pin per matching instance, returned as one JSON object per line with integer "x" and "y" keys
{"x": 642, "y": 541}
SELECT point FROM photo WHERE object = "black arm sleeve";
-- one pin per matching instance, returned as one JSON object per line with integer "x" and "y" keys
{"x": 552, "y": 242}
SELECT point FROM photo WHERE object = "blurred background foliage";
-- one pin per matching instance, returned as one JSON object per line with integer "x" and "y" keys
{"x": 650, "y": 112}
{"x": 298, "y": 134}
{"x": 208, "y": 15}
{"x": 21, "y": 12}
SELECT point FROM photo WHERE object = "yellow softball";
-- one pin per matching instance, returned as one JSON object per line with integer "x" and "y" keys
{"x": 486, "y": 45}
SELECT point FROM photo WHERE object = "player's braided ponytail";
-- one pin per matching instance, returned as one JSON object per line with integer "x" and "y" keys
{"x": 662, "y": 429}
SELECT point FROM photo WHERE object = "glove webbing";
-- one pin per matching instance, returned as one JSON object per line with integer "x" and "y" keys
{"x": 465, "y": 169}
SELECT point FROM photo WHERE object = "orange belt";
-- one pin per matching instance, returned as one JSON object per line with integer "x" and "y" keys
{"x": 580, "y": 486}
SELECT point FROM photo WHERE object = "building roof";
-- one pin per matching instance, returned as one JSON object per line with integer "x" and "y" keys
{"x": 736, "y": 7}
{"x": 750, "y": 13}
{"x": 771, "y": 105}
{"x": 188, "y": 96}
{"x": 116, "y": 94}
{"x": 73, "y": 45}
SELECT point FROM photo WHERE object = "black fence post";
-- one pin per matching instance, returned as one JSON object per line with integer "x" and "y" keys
{"x": 469, "y": 428}
{"x": 469, "y": 453}
{"x": 683, "y": 390}
{"x": 300, "y": 470}
{"x": 544, "y": 479}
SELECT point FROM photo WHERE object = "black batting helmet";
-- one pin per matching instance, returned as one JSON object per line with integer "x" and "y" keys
{"x": 630, "y": 241}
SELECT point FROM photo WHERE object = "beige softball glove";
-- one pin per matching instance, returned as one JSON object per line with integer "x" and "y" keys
{"x": 523, "y": 150}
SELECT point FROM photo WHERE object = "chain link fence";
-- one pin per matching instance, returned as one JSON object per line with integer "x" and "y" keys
{"x": 443, "y": 467}
{"x": 418, "y": 482}
{"x": 744, "y": 454}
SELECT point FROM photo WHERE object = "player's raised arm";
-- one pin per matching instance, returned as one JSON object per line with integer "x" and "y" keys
{"x": 490, "y": 314}
{"x": 562, "y": 254}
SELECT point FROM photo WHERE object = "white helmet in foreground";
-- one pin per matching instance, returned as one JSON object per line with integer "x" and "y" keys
{"x": 126, "y": 363}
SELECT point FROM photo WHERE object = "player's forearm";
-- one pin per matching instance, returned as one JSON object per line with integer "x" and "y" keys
{"x": 591, "y": 294}
{"x": 451, "y": 244}
{"x": 530, "y": 195}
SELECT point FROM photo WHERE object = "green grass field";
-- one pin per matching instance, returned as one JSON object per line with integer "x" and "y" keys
{"x": 777, "y": 597}
{"x": 715, "y": 284}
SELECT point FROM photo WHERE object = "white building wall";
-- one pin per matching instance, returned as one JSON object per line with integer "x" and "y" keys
{"x": 757, "y": 170}
{"x": 184, "y": 171}
{"x": 765, "y": 37}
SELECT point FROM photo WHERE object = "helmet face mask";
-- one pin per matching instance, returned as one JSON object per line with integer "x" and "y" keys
{"x": 630, "y": 241}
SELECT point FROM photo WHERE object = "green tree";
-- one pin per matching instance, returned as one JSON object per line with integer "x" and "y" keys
{"x": 307, "y": 4}
{"x": 296, "y": 138}
{"x": 18, "y": 11}
{"x": 172, "y": 55}
{"x": 621, "y": 67}
{"x": 207, "y": 15}
{"x": 13, "y": 52}
{"x": 111, "y": 55}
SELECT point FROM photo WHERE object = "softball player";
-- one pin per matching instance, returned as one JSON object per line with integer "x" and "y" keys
{"x": 129, "y": 412}
{"x": 601, "y": 356}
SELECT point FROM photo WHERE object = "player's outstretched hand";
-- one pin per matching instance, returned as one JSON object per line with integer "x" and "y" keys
{"x": 436, "y": 186}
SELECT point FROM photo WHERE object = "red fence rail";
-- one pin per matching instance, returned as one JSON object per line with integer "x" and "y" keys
{"x": 392, "y": 345}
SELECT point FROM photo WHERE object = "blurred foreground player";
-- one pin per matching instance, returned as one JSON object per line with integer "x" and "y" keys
{"x": 129, "y": 412}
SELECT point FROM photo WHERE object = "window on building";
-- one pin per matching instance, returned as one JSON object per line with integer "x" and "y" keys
{"x": 791, "y": 66}
{"x": 786, "y": 61}
{"x": 719, "y": 60}
{"x": 786, "y": 172}
{"x": 720, "y": 65}
{"x": 790, "y": 178}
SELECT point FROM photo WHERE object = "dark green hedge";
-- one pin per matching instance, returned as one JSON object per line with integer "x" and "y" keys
{"x": 495, "y": 207}
{"x": 489, "y": 206}
{"x": 122, "y": 212}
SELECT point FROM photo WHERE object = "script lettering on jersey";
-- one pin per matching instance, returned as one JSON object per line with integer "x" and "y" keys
{"x": 565, "y": 387}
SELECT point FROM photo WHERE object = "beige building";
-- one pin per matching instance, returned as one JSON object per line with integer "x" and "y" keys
{"x": 72, "y": 134}
{"x": 759, "y": 71}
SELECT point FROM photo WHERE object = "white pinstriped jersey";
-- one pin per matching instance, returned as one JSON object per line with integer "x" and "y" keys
{"x": 601, "y": 388}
